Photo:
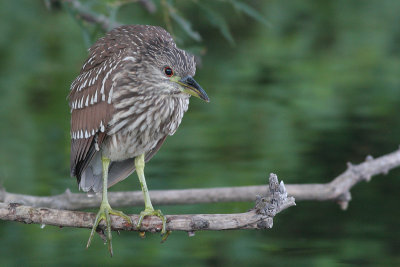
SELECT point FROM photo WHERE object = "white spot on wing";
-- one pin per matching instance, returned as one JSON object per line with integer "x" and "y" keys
{"x": 129, "y": 59}
{"x": 110, "y": 95}
{"x": 104, "y": 80}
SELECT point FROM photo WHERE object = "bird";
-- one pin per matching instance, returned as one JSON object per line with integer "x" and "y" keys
{"x": 131, "y": 93}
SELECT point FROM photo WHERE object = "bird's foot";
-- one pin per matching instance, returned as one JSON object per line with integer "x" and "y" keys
{"x": 104, "y": 214}
{"x": 158, "y": 213}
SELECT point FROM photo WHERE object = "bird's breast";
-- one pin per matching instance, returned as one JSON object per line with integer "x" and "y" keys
{"x": 136, "y": 128}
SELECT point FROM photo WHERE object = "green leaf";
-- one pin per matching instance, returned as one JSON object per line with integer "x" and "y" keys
{"x": 184, "y": 24}
{"x": 219, "y": 22}
{"x": 249, "y": 11}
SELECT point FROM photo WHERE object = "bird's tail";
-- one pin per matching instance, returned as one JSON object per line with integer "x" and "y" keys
{"x": 91, "y": 179}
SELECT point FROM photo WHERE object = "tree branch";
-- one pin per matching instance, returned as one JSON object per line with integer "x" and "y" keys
{"x": 261, "y": 217}
{"x": 337, "y": 190}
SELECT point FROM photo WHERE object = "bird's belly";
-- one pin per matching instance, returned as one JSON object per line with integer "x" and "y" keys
{"x": 134, "y": 132}
{"x": 125, "y": 145}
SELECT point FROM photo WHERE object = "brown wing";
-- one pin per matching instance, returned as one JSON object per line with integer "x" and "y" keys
{"x": 152, "y": 152}
{"x": 91, "y": 92}
{"x": 90, "y": 101}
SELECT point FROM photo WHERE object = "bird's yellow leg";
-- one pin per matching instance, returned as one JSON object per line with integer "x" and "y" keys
{"x": 106, "y": 210}
{"x": 148, "y": 207}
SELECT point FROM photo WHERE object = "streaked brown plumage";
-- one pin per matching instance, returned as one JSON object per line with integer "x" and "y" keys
{"x": 131, "y": 93}
{"x": 115, "y": 88}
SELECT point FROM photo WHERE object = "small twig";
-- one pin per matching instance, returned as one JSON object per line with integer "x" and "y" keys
{"x": 105, "y": 23}
{"x": 260, "y": 217}
{"x": 337, "y": 190}
{"x": 91, "y": 17}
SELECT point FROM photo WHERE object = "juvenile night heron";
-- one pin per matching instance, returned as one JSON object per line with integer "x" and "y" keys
{"x": 131, "y": 94}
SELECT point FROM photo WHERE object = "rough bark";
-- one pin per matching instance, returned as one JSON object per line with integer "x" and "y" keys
{"x": 260, "y": 217}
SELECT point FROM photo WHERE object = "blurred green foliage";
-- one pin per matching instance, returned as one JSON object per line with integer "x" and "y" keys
{"x": 317, "y": 87}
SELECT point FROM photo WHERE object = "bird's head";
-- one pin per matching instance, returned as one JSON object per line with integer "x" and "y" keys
{"x": 167, "y": 68}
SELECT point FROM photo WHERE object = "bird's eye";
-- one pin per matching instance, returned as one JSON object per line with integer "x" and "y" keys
{"x": 168, "y": 71}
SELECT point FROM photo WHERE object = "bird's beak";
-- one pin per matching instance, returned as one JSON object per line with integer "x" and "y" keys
{"x": 190, "y": 86}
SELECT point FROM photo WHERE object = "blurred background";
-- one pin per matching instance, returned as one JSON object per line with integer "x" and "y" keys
{"x": 297, "y": 88}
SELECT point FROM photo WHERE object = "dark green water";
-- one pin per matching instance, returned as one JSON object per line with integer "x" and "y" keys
{"x": 318, "y": 88}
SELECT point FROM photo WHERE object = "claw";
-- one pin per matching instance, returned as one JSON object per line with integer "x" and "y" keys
{"x": 149, "y": 212}
{"x": 165, "y": 236}
{"x": 142, "y": 235}
{"x": 104, "y": 214}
